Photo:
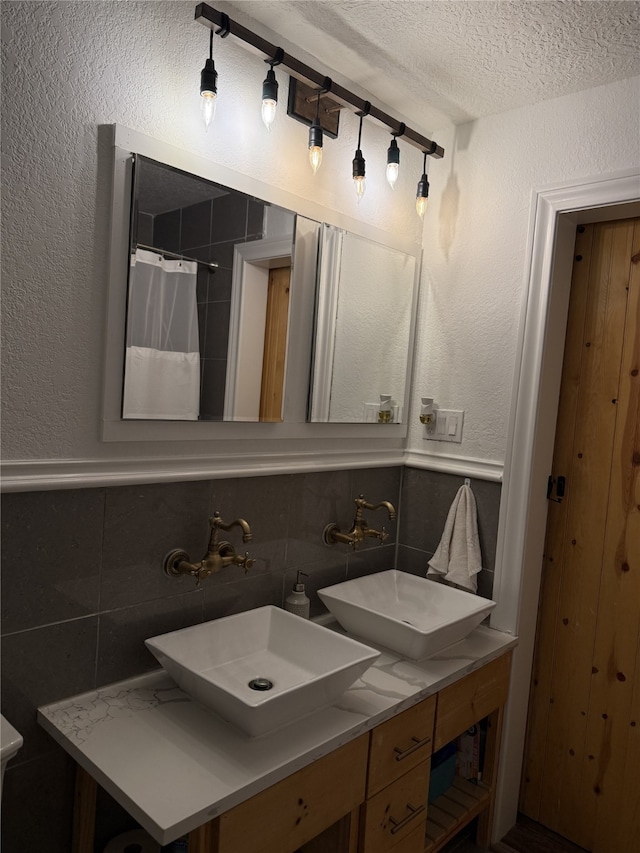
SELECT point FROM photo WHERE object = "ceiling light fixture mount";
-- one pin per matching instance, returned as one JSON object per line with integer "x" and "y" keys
{"x": 302, "y": 105}
{"x": 210, "y": 17}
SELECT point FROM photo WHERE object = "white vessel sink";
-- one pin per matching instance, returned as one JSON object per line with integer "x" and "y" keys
{"x": 306, "y": 665}
{"x": 415, "y": 617}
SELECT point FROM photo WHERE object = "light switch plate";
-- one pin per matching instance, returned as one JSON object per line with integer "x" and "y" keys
{"x": 447, "y": 426}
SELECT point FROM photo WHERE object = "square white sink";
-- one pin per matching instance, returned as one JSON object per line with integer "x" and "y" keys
{"x": 415, "y": 617}
{"x": 296, "y": 667}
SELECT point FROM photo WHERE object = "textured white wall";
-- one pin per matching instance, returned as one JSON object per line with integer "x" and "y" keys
{"x": 474, "y": 248}
{"x": 68, "y": 68}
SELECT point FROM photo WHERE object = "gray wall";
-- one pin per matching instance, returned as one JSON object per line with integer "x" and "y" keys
{"x": 82, "y": 587}
{"x": 426, "y": 497}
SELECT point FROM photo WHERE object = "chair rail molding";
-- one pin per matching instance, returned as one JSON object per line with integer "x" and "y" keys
{"x": 32, "y": 475}
{"x": 465, "y": 466}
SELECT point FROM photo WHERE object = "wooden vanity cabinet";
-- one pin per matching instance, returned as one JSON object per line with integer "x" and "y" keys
{"x": 368, "y": 796}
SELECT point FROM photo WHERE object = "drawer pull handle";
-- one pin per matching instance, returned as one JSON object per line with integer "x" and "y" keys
{"x": 417, "y": 743}
{"x": 397, "y": 825}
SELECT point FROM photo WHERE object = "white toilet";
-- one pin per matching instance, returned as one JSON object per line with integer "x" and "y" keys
{"x": 10, "y": 743}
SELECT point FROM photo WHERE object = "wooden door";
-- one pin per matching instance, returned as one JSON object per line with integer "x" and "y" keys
{"x": 582, "y": 756}
{"x": 275, "y": 345}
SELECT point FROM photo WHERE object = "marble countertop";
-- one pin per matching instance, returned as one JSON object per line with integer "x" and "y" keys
{"x": 174, "y": 765}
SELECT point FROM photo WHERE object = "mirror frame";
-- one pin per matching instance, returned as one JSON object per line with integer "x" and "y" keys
{"x": 309, "y": 218}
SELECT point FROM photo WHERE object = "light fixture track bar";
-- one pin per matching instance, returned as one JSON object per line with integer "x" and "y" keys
{"x": 211, "y": 18}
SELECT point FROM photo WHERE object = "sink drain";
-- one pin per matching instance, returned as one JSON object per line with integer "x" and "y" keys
{"x": 260, "y": 684}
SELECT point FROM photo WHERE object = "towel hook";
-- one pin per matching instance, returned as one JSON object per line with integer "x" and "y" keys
{"x": 467, "y": 481}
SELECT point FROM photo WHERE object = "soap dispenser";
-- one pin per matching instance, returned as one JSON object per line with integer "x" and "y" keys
{"x": 297, "y": 601}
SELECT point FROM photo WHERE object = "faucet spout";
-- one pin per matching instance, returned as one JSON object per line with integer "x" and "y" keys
{"x": 218, "y": 524}
{"x": 386, "y": 504}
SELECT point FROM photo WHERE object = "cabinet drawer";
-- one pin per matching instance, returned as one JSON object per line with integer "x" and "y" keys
{"x": 393, "y": 814}
{"x": 464, "y": 703}
{"x": 288, "y": 814}
{"x": 412, "y": 843}
{"x": 400, "y": 744}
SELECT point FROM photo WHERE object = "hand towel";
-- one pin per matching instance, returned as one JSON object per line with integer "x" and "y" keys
{"x": 457, "y": 557}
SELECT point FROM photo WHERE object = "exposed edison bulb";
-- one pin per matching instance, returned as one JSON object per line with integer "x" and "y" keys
{"x": 315, "y": 157}
{"x": 392, "y": 174}
{"x": 358, "y": 170}
{"x": 393, "y": 163}
{"x": 422, "y": 194}
{"x": 268, "y": 112}
{"x": 208, "y": 91}
{"x": 208, "y": 101}
{"x": 269, "y": 98}
{"x": 315, "y": 144}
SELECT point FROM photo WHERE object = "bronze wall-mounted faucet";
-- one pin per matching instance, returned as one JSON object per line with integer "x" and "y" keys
{"x": 219, "y": 554}
{"x": 360, "y": 529}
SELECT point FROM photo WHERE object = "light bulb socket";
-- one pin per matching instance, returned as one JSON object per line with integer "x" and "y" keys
{"x": 423, "y": 187}
{"x": 358, "y": 165}
{"x": 270, "y": 87}
{"x": 315, "y": 134}
{"x": 393, "y": 153}
{"x": 209, "y": 77}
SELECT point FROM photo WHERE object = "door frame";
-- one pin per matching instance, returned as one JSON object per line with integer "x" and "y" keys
{"x": 555, "y": 211}
{"x": 249, "y": 287}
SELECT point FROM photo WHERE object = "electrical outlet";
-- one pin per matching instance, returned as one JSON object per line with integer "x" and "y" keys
{"x": 447, "y": 426}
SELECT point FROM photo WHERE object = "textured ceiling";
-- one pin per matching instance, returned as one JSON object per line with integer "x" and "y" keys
{"x": 436, "y": 62}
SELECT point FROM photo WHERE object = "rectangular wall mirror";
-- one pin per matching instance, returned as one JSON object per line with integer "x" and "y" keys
{"x": 232, "y": 316}
{"x": 364, "y": 321}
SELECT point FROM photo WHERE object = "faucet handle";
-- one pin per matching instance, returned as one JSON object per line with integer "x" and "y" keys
{"x": 246, "y": 561}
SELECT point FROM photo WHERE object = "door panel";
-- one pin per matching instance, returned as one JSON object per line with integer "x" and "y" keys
{"x": 580, "y": 719}
{"x": 275, "y": 345}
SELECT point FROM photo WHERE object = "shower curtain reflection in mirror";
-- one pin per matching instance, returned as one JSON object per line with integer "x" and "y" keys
{"x": 162, "y": 364}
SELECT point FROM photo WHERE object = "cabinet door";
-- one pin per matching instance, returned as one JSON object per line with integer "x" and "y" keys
{"x": 292, "y": 812}
{"x": 469, "y": 700}
{"x": 397, "y": 812}
{"x": 400, "y": 744}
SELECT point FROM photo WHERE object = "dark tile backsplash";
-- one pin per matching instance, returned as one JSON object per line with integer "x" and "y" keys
{"x": 83, "y": 586}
